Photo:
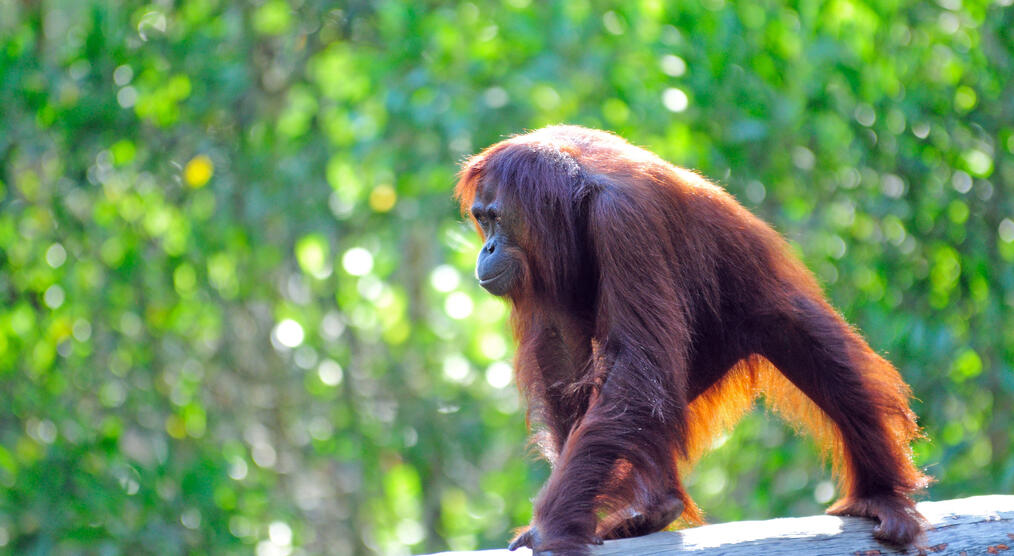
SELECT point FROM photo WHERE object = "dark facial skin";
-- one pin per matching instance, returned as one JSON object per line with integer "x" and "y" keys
{"x": 499, "y": 266}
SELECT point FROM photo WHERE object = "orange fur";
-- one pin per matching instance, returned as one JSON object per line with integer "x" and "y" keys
{"x": 720, "y": 407}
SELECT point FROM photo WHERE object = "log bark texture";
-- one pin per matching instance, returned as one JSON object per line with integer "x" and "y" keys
{"x": 966, "y": 526}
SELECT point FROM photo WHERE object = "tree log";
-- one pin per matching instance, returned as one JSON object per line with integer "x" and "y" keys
{"x": 976, "y": 525}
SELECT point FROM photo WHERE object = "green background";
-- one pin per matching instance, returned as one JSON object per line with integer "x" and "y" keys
{"x": 237, "y": 311}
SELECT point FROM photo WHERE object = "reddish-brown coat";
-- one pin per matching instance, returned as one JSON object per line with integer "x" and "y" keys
{"x": 653, "y": 311}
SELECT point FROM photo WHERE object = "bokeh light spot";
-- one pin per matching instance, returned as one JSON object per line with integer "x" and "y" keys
{"x": 280, "y": 533}
{"x": 126, "y": 97}
{"x": 458, "y": 305}
{"x": 288, "y": 333}
{"x": 824, "y": 492}
{"x": 493, "y": 345}
{"x": 191, "y": 518}
{"x": 457, "y": 369}
{"x": 673, "y": 65}
{"x": 410, "y": 531}
{"x": 54, "y": 296}
{"x": 56, "y": 255}
{"x": 496, "y": 97}
{"x": 1006, "y": 230}
{"x": 498, "y": 375}
{"x": 675, "y": 100}
{"x": 238, "y": 469}
{"x": 445, "y": 278}
{"x": 383, "y": 198}
{"x": 198, "y": 171}
{"x": 330, "y": 372}
{"x": 312, "y": 254}
{"x": 357, "y": 261}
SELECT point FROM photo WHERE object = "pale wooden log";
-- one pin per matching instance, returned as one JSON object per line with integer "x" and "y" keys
{"x": 966, "y": 526}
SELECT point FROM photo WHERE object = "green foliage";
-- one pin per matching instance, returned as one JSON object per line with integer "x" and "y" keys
{"x": 238, "y": 312}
